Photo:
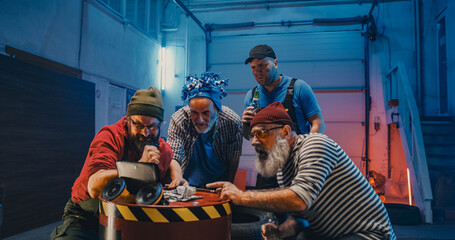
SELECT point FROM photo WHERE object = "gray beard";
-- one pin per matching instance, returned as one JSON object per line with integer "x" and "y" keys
{"x": 268, "y": 164}
{"x": 211, "y": 123}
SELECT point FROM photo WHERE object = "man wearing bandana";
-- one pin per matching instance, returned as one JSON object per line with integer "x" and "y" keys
{"x": 205, "y": 137}
{"x": 134, "y": 138}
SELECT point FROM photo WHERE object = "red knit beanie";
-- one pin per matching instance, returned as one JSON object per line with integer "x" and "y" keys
{"x": 273, "y": 114}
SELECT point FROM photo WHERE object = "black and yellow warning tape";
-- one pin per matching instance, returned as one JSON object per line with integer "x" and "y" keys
{"x": 164, "y": 215}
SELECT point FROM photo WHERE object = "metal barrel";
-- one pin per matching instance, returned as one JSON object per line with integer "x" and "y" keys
{"x": 206, "y": 218}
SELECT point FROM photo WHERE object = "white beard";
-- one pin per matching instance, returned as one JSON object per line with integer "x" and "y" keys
{"x": 269, "y": 162}
{"x": 210, "y": 124}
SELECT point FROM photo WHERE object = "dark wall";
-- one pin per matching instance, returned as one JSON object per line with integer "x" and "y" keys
{"x": 47, "y": 123}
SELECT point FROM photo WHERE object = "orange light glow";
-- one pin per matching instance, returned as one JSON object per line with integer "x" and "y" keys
{"x": 409, "y": 187}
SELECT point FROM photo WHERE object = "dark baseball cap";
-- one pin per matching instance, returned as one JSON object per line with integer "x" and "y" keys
{"x": 260, "y": 52}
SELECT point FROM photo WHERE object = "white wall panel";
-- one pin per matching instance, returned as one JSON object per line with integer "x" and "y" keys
{"x": 342, "y": 74}
{"x": 342, "y": 107}
{"x": 46, "y": 28}
{"x": 349, "y": 136}
{"x": 104, "y": 48}
{"x": 175, "y": 60}
{"x": 120, "y": 53}
{"x": 196, "y": 49}
{"x": 239, "y": 75}
{"x": 234, "y": 101}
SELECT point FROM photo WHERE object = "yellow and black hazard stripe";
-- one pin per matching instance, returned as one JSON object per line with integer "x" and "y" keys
{"x": 164, "y": 215}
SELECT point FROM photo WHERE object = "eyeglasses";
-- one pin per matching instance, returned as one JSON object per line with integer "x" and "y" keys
{"x": 263, "y": 133}
{"x": 139, "y": 126}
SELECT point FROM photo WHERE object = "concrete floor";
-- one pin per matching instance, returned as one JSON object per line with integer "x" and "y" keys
{"x": 41, "y": 233}
{"x": 444, "y": 230}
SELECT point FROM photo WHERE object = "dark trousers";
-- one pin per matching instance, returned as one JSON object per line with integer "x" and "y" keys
{"x": 270, "y": 183}
{"x": 308, "y": 234}
{"x": 80, "y": 221}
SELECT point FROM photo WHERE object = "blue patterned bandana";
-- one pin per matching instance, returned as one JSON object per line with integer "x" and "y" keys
{"x": 207, "y": 85}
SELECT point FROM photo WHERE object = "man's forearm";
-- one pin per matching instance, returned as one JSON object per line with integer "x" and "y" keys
{"x": 316, "y": 128}
{"x": 280, "y": 200}
{"x": 317, "y": 123}
{"x": 98, "y": 180}
{"x": 176, "y": 170}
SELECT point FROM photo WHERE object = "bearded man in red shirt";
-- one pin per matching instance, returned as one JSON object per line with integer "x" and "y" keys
{"x": 128, "y": 140}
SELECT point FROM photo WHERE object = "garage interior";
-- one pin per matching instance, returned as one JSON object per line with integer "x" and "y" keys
{"x": 382, "y": 70}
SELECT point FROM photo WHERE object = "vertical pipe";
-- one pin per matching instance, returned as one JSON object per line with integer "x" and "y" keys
{"x": 147, "y": 16}
{"x": 81, "y": 31}
{"x": 419, "y": 82}
{"x": 123, "y": 9}
{"x": 187, "y": 50}
{"x": 367, "y": 100}
{"x": 389, "y": 161}
{"x": 207, "y": 45}
{"x": 370, "y": 28}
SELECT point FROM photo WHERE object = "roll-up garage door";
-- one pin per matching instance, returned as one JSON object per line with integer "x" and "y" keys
{"x": 332, "y": 63}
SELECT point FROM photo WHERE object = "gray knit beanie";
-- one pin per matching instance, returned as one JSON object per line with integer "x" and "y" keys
{"x": 146, "y": 102}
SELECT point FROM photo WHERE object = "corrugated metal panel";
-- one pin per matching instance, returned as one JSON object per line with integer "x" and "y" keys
{"x": 325, "y": 60}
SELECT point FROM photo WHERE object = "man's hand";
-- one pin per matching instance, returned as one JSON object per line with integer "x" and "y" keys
{"x": 177, "y": 182}
{"x": 270, "y": 231}
{"x": 227, "y": 190}
{"x": 248, "y": 114}
{"x": 288, "y": 229}
{"x": 176, "y": 175}
{"x": 151, "y": 154}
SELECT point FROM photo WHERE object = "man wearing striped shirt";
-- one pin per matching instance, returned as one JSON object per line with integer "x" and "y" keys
{"x": 205, "y": 137}
{"x": 318, "y": 182}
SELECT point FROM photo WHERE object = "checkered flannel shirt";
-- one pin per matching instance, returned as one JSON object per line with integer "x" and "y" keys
{"x": 227, "y": 139}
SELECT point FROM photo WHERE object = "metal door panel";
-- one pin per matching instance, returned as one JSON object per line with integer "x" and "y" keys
{"x": 345, "y": 74}
{"x": 297, "y": 47}
{"x": 117, "y": 107}
{"x": 240, "y": 76}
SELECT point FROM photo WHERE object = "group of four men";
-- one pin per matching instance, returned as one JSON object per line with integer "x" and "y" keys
{"x": 310, "y": 175}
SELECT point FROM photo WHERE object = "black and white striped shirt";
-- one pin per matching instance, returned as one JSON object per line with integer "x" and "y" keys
{"x": 340, "y": 200}
{"x": 227, "y": 141}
